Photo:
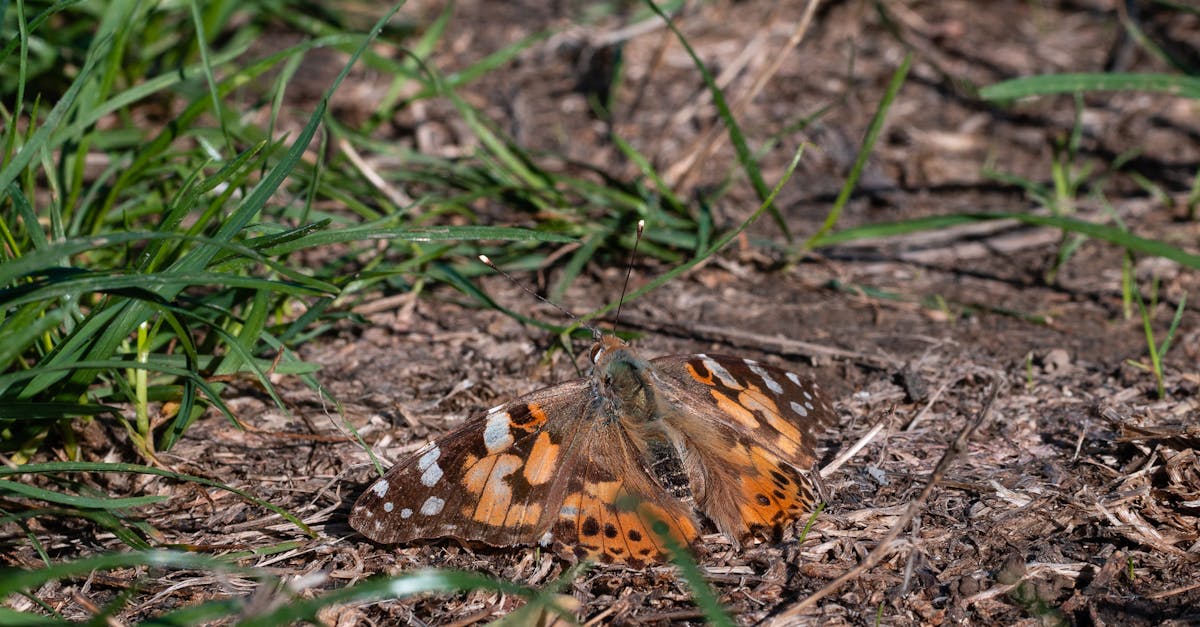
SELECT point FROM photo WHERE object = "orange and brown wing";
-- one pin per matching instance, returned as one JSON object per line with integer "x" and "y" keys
{"x": 497, "y": 479}
{"x": 544, "y": 468}
{"x": 754, "y": 429}
{"x": 614, "y": 511}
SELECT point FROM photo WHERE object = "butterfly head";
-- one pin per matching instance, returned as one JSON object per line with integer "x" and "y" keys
{"x": 622, "y": 378}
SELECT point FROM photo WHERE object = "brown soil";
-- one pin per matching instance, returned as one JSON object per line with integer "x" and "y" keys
{"x": 1078, "y": 497}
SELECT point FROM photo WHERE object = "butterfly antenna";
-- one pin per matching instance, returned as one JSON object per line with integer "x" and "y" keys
{"x": 563, "y": 310}
{"x": 641, "y": 227}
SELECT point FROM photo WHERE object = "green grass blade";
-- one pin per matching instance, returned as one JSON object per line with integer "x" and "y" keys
{"x": 207, "y": 613}
{"x": 421, "y": 234}
{"x": 1048, "y": 84}
{"x": 737, "y": 139}
{"x": 1104, "y": 232}
{"x": 147, "y": 287}
{"x": 702, "y": 593}
{"x": 50, "y": 496}
{"x": 41, "y": 137}
{"x": 712, "y": 250}
{"x": 132, "y": 313}
{"x": 26, "y": 619}
{"x": 14, "y": 580}
{"x": 146, "y": 89}
{"x": 25, "y": 327}
{"x": 92, "y": 467}
{"x": 420, "y": 582}
{"x": 24, "y": 410}
{"x": 648, "y": 171}
{"x": 1179, "y": 309}
{"x": 864, "y": 153}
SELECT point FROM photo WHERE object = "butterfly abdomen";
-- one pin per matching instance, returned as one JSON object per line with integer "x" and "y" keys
{"x": 666, "y": 465}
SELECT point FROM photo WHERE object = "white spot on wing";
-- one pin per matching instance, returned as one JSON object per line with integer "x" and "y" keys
{"x": 380, "y": 488}
{"x": 432, "y": 506}
{"x": 720, "y": 372}
{"x": 388, "y": 507}
{"x": 431, "y": 472}
{"x": 496, "y": 435}
{"x": 430, "y": 477}
{"x": 794, "y": 378}
{"x": 807, "y": 395}
{"x": 799, "y": 409}
{"x": 405, "y": 513}
{"x": 546, "y": 539}
{"x": 762, "y": 373}
{"x": 429, "y": 458}
{"x": 568, "y": 511}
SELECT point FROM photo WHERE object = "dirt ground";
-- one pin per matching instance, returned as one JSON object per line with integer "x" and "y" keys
{"x": 1079, "y": 497}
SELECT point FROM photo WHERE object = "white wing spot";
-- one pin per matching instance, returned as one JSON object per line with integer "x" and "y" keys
{"x": 794, "y": 378}
{"x": 380, "y": 488}
{"x": 807, "y": 395}
{"x": 431, "y": 472}
{"x": 762, "y": 373}
{"x": 406, "y": 513}
{"x": 799, "y": 409}
{"x": 546, "y": 539}
{"x": 378, "y": 525}
{"x": 388, "y": 507}
{"x": 720, "y": 372}
{"x": 496, "y": 435}
{"x": 432, "y": 506}
{"x": 568, "y": 511}
{"x": 429, "y": 457}
{"x": 808, "y": 404}
{"x": 430, "y": 477}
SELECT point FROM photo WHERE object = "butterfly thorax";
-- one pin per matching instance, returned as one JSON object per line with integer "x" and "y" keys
{"x": 625, "y": 385}
{"x": 621, "y": 380}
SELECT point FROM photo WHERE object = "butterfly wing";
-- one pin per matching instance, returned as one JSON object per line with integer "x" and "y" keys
{"x": 544, "y": 468}
{"x": 614, "y": 510}
{"x": 748, "y": 435}
{"x": 495, "y": 479}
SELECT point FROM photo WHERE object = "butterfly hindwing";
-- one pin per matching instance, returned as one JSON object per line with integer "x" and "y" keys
{"x": 759, "y": 423}
{"x": 614, "y": 510}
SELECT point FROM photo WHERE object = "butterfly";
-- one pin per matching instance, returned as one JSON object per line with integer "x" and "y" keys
{"x": 614, "y": 466}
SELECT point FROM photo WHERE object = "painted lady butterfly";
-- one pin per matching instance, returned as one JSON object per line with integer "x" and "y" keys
{"x": 605, "y": 467}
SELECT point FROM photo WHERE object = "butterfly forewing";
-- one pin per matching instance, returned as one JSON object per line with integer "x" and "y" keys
{"x": 779, "y": 409}
{"x": 755, "y": 426}
{"x": 497, "y": 479}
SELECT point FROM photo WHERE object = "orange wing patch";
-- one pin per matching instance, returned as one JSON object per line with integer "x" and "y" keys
{"x": 605, "y": 522}
{"x": 542, "y": 460}
{"x": 735, "y": 410}
{"x": 706, "y": 380}
{"x": 488, "y": 481}
{"x": 772, "y": 492}
{"x": 789, "y": 438}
